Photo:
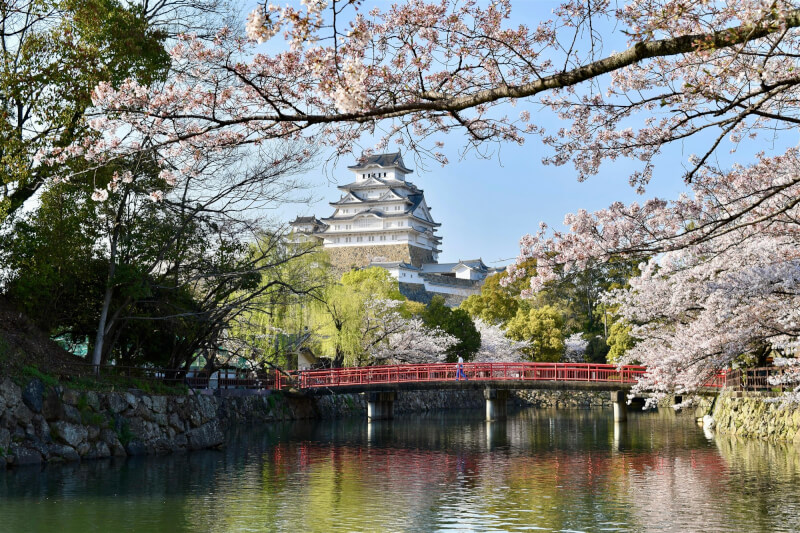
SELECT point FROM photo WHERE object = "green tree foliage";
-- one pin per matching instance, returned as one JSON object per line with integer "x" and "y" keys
{"x": 497, "y": 304}
{"x": 339, "y": 314}
{"x": 619, "y": 340}
{"x": 457, "y": 323}
{"x": 279, "y": 323}
{"x": 54, "y": 52}
{"x": 578, "y": 294}
{"x": 596, "y": 350}
{"x": 543, "y": 328}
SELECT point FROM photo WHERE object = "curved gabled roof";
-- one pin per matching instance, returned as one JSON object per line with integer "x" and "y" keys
{"x": 380, "y": 183}
{"x": 380, "y": 214}
{"x": 393, "y": 160}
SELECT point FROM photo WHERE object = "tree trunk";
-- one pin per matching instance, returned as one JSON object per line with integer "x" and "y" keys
{"x": 97, "y": 355}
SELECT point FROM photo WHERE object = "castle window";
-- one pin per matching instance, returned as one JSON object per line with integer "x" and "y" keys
{"x": 383, "y": 237}
{"x": 394, "y": 237}
{"x": 358, "y": 239}
{"x": 347, "y": 239}
{"x": 371, "y": 238}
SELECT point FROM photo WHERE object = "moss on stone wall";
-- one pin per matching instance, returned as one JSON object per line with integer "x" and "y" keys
{"x": 753, "y": 416}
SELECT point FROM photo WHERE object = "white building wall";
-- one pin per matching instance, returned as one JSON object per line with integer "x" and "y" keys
{"x": 460, "y": 291}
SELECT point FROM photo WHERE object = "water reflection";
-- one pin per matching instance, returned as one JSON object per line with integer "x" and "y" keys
{"x": 541, "y": 469}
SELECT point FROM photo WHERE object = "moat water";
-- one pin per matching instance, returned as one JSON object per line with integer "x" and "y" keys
{"x": 542, "y": 470}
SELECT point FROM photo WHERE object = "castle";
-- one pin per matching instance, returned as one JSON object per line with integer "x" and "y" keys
{"x": 382, "y": 219}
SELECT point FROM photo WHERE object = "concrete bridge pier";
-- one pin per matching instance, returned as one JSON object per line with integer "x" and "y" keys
{"x": 380, "y": 405}
{"x": 619, "y": 400}
{"x": 496, "y": 404}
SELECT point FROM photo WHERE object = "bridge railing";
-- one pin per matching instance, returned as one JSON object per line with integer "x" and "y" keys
{"x": 390, "y": 374}
{"x": 773, "y": 378}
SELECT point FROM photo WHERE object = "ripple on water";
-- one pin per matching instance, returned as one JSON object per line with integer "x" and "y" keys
{"x": 541, "y": 470}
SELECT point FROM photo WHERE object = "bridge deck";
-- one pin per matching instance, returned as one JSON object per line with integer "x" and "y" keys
{"x": 554, "y": 376}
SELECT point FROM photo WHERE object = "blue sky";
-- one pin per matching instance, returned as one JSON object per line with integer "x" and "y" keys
{"x": 486, "y": 205}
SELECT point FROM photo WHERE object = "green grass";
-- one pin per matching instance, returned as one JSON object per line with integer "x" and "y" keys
{"x": 101, "y": 384}
{"x": 111, "y": 383}
{"x": 32, "y": 372}
{"x": 83, "y": 403}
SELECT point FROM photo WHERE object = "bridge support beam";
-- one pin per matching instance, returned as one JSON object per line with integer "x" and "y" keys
{"x": 619, "y": 400}
{"x": 380, "y": 405}
{"x": 496, "y": 403}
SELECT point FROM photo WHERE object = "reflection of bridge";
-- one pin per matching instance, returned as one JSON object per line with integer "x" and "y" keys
{"x": 381, "y": 383}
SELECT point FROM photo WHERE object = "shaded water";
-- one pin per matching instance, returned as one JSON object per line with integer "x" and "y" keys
{"x": 566, "y": 470}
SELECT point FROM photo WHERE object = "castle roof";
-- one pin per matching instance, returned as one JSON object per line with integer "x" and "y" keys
{"x": 394, "y": 160}
{"x": 473, "y": 264}
{"x": 307, "y": 220}
{"x": 390, "y": 196}
{"x": 394, "y": 264}
{"x": 380, "y": 214}
{"x": 380, "y": 183}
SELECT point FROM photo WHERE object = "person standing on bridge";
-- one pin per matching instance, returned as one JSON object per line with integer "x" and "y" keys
{"x": 460, "y": 369}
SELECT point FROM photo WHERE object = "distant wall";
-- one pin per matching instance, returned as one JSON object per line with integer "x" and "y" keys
{"x": 416, "y": 292}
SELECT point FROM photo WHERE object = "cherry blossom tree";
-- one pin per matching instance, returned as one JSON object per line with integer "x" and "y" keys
{"x": 496, "y": 347}
{"x": 388, "y": 337}
{"x": 419, "y": 69}
{"x": 575, "y": 348}
{"x": 704, "y": 304}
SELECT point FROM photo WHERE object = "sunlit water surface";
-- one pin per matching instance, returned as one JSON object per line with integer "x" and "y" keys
{"x": 548, "y": 470}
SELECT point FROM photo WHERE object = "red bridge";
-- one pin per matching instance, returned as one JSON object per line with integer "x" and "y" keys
{"x": 479, "y": 375}
{"x": 381, "y": 383}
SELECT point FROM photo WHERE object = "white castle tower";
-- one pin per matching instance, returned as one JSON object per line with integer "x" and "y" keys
{"x": 382, "y": 219}
{"x": 381, "y": 216}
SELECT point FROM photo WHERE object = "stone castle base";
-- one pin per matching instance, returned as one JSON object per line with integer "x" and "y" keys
{"x": 344, "y": 258}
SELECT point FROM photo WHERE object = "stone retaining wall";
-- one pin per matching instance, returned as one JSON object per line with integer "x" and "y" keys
{"x": 341, "y": 405}
{"x": 753, "y": 417}
{"x": 561, "y": 398}
{"x": 54, "y": 424}
{"x": 344, "y": 258}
